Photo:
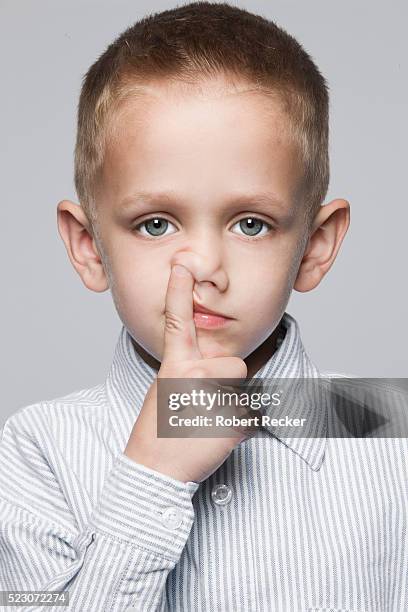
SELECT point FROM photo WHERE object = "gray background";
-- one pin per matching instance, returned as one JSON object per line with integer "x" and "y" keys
{"x": 57, "y": 336}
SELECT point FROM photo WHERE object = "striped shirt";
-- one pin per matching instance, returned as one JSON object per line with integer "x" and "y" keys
{"x": 286, "y": 524}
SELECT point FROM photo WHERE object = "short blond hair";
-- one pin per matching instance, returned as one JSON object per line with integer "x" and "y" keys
{"x": 192, "y": 43}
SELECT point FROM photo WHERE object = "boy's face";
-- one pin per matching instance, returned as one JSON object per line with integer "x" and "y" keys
{"x": 219, "y": 155}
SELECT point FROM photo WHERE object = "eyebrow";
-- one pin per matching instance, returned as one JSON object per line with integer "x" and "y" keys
{"x": 171, "y": 197}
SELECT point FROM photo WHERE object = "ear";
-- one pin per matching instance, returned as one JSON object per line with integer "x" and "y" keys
{"x": 75, "y": 231}
{"x": 328, "y": 230}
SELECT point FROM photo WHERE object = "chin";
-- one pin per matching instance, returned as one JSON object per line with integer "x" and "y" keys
{"x": 211, "y": 348}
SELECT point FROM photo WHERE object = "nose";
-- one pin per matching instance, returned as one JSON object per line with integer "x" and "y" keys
{"x": 206, "y": 266}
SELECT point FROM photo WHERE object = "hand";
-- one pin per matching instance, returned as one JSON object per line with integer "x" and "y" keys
{"x": 184, "y": 459}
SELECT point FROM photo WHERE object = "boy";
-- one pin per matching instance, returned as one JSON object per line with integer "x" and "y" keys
{"x": 201, "y": 166}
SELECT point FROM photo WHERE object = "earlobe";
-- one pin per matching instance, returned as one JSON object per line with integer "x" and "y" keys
{"x": 328, "y": 230}
{"x": 73, "y": 227}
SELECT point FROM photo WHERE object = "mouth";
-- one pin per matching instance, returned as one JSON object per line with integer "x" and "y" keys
{"x": 204, "y": 318}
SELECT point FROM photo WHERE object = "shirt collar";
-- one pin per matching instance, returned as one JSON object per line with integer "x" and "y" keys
{"x": 311, "y": 400}
{"x": 130, "y": 377}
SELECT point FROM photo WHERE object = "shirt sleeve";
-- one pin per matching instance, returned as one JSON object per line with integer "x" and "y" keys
{"x": 120, "y": 556}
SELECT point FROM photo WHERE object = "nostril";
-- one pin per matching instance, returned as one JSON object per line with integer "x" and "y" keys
{"x": 204, "y": 282}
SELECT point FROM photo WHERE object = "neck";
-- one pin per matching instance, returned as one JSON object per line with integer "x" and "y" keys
{"x": 263, "y": 353}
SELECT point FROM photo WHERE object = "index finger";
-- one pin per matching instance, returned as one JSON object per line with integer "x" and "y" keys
{"x": 180, "y": 338}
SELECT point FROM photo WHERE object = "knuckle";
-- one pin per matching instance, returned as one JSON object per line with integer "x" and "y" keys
{"x": 165, "y": 371}
{"x": 240, "y": 367}
{"x": 173, "y": 323}
{"x": 243, "y": 371}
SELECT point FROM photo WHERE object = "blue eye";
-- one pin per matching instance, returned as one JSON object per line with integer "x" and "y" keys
{"x": 156, "y": 226}
{"x": 251, "y": 226}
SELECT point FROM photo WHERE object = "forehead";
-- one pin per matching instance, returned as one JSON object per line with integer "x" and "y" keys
{"x": 179, "y": 100}
{"x": 200, "y": 137}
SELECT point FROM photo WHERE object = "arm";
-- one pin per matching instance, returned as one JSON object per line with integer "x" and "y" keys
{"x": 119, "y": 558}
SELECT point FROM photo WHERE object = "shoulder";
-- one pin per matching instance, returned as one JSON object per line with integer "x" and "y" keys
{"x": 52, "y": 415}
{"x": 335, "y": 374}
{"x": 371, "y": 407}
{"x": 51, "y": 443}
{"x": 44, "y": 447}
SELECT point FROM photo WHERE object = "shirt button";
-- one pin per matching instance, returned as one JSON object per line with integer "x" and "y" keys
{"x": 221, "y": 494}
{"x": 172, "y": 518}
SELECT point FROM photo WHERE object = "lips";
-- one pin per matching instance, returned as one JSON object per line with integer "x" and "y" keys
{"x": 205, "y": 318}
{"x": 204, "y": 310}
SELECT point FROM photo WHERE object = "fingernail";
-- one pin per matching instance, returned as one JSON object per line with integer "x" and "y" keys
{"x": 180, "y": 270}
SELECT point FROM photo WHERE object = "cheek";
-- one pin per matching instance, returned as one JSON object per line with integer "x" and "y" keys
{"x": 140, "y": 284}
{"x": 266, "y": 294}
{"x": 267, "y": 281}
